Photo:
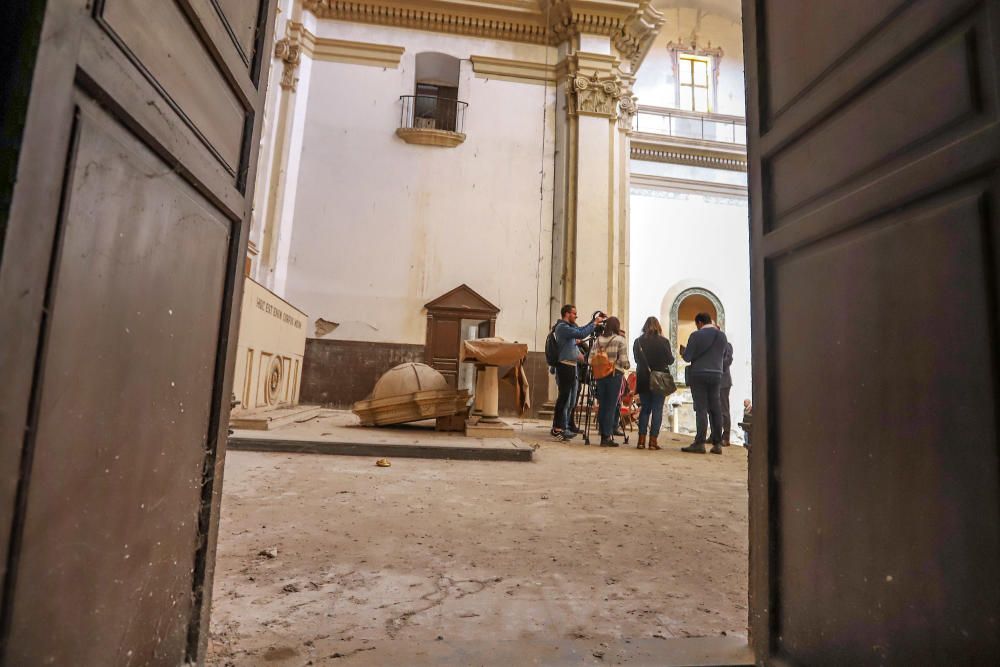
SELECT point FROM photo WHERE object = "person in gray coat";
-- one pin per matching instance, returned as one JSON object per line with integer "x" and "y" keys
{"x": 724, "y": 389}
{"x": 705, "y": 352}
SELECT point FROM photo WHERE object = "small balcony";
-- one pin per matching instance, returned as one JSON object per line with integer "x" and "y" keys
{"x": 430, "y": 120}
{"x": 701, "y": 127}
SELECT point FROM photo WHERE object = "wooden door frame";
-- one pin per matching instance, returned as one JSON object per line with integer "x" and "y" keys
{"x": 31, "y": 230}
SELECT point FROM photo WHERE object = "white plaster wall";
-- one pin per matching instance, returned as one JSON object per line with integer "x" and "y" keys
{"x": 687, "y": 240}
{"x": 656, "y": 84}
{"x": 382, "y": 227}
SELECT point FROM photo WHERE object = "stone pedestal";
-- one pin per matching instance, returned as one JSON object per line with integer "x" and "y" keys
{"x": 487, "y": 423}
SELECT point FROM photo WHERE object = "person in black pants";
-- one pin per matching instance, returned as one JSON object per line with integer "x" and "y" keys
{"x": 705, "y": 351}
{"x": 567, "y": 334}
{"x": 724, "y": 389}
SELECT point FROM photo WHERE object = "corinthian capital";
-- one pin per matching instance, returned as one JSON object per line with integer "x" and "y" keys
{"x": 594, "y": 95}
{"x": 289, "y": 51}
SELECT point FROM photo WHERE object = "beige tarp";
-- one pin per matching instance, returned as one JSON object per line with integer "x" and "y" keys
{"x": 498, "y": 352}
{"x": 494, "y": 352}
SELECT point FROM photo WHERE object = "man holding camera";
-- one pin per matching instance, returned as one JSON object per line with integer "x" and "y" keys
{"x": 566, "y": 334}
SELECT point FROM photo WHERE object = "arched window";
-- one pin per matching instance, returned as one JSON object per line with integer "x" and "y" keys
{"x": 436, "y": 92}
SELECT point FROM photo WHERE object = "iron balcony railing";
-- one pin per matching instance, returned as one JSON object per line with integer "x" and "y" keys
{"x": 691, "y": 125}
{"x": 430, "y": 112}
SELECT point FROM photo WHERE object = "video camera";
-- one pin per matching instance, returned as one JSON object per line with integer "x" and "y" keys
{"x": 599, "y": 328}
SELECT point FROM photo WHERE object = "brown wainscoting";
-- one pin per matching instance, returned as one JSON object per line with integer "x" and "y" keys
{"x": 538, "y": 380}
{"x": 336, "y": 373}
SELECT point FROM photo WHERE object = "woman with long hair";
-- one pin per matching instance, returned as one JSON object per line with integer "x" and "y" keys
{"x": 613, "y": 344}
{"x": 652, "y": 352}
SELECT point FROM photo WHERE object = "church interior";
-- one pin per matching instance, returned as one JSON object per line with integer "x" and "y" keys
{"x": 279, "y": 280}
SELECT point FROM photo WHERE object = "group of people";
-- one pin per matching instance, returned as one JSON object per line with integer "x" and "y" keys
{"x": 599, "y": 348}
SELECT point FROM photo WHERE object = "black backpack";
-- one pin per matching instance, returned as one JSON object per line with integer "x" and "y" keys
{"x": 552, "y": 348}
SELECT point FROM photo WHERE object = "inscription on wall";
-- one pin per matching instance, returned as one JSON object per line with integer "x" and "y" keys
{"x": 277, "y": 313}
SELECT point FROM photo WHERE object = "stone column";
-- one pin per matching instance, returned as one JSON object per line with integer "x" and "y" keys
{"x": 589, "y": 185}
{"x": 600, "y": 48}
{"x": 477, "y": 404}
{"x": 491, "y": 394}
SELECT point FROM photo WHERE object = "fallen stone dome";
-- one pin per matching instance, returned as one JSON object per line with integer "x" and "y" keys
{"x": 406, "y": 379}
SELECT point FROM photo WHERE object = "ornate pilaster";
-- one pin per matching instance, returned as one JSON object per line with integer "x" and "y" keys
{"x": 601, "y": 44}
{"x": 281, "y": 149}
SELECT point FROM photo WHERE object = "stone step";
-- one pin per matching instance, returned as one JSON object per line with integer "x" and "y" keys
{"x": 274, "y": 418}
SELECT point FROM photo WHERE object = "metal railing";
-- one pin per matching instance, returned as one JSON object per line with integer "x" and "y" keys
{"x": 430, "y": 112}
{"x": 691, "y": 125}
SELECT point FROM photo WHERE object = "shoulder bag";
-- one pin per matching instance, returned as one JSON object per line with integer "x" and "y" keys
{"x": 660, "y": 382}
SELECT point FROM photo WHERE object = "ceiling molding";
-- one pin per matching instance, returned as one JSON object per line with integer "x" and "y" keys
{"x": 520, "y": 71}
{"x": 687, "y": 186}
{"x": 492, "y": 21}
{"x": 654, "y": 148}
{"x": 632, "y": 25}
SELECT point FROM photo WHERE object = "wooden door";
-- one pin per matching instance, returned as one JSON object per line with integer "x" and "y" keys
{"x": 443, "y": 348}
{"x": 875, "y": 194}
{"x": 119, "y": 285}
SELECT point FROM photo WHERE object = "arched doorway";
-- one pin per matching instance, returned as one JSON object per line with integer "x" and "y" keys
{"x": 686, "y": 306}
{"x": 683, "y": 310}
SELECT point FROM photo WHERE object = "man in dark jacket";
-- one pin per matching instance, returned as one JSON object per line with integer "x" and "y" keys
{"x": 705, "y": 352}
{"x": 724, "y": 389}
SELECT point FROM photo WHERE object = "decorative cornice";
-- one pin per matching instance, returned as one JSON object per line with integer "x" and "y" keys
{"x": 429, "y": 137}
{"x": 521, "y": 71}
{"x": 344, "y": 51}
{"x": 632, "y": 25}
{"x": 655, "y": 148}
{"x": 686, "y": 186}
{"x": 509, "y": 24}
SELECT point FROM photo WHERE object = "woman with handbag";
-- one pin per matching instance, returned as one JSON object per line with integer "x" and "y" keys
{"x": 653, "y": 380}
{"x": 608, "y": 363}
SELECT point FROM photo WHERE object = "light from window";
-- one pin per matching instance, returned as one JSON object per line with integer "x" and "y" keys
{"x": 694, "y": 82}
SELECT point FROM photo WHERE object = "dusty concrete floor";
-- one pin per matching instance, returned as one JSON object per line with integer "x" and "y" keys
{"x": 585, "y": 543}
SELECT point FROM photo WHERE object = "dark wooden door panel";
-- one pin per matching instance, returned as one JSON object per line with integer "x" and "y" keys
{"x": 874, "y": 146}
{"x": 121, "y": 293}
{"x": 241, "y": 18}
{"x": 879, "y": 338}
{"x": 806, "y": 39}
{"x": 445, "y": 341}
{"x": 880, "y": 125}
{"x": 124, "y": 447}
{"x": 159, "y": 37}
